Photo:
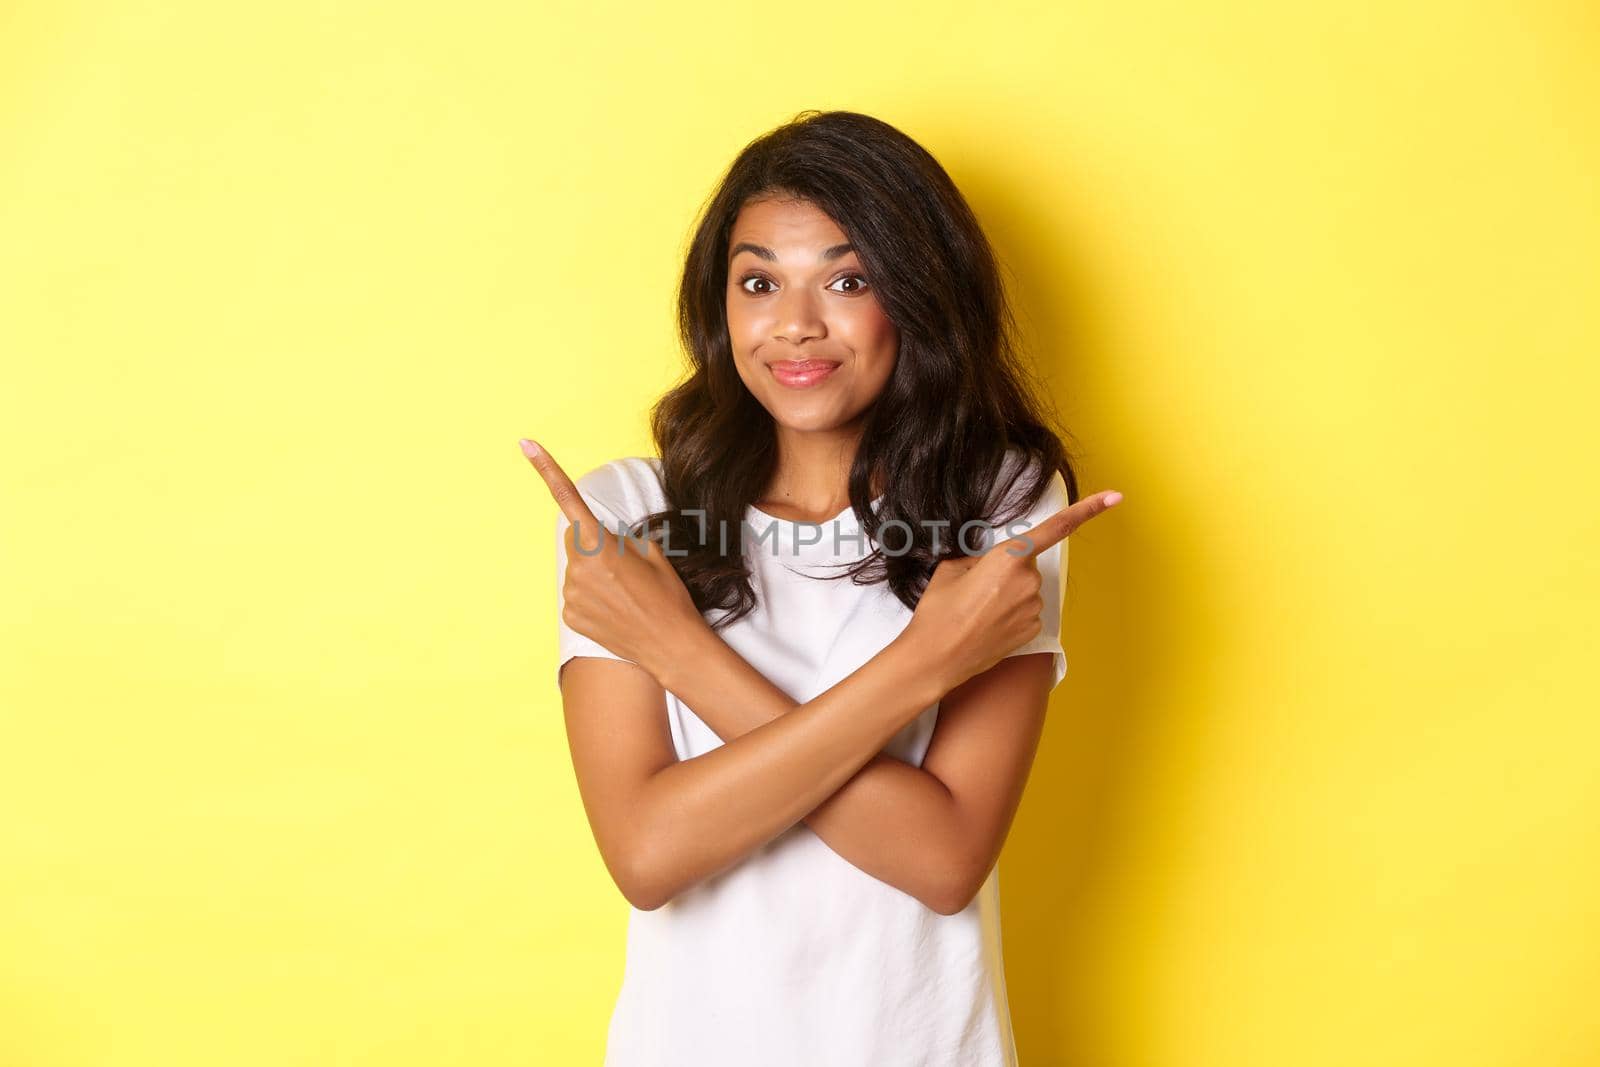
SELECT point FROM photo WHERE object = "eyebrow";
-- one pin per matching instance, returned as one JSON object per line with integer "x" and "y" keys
{"x": 828, "y": 254}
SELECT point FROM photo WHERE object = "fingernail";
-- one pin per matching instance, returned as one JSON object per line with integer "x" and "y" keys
{"x": 1112, "y": 498}
{"x": 529, "y": 448}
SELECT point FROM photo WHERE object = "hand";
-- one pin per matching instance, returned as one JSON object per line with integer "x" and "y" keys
{"x": 976, "y": 609}
{"x": 625, "y": 595}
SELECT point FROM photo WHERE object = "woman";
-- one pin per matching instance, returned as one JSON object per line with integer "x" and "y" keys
{"x": 806, "y": 652}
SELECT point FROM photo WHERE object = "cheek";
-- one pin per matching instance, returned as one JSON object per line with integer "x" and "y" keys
{"x": 744, "y": 329}
{"x": 875, "y": 340}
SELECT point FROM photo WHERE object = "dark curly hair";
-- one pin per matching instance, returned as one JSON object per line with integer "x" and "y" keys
{"x": 958, "y": 400}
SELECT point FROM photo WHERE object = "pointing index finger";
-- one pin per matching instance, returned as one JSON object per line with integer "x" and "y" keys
{"x": 1051, "y": 531}
{"x": 566, "y": 494}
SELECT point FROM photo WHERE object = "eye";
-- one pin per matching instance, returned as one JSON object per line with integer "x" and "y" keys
{"x": 863, "y": 284}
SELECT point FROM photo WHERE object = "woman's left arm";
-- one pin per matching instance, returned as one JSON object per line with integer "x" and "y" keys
{"x": 933, "y": 831}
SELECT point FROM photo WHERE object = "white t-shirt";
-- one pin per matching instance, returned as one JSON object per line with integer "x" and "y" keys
{"x": 794, "y": 956}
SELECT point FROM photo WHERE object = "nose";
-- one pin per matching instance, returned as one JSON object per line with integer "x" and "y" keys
{"x": 798, "y": 319}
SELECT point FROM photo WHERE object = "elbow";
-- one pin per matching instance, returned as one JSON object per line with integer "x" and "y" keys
{"x": 645, "y": 901}
{"x": 951, "y": 902}
{"x": 642, "y": 877}
{"x": 640, "y": 896}
{"x": 635, "y": 878}
{"x": 955, "y": 892}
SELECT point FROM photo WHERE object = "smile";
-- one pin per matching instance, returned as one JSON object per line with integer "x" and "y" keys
{"x": 801, "y": 373}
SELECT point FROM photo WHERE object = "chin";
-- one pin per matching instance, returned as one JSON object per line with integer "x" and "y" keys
{"x": 810, "y": 422}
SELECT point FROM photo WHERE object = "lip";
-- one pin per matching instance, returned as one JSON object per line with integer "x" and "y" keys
{"x": 802, "y": 373}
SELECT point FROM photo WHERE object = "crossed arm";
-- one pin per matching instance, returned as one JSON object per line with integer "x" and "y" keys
{"x": 933, "y": 831}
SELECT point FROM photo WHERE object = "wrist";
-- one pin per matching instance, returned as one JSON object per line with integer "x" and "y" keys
{"x": 929, "y": 667}
{"x": 678, "y": 646}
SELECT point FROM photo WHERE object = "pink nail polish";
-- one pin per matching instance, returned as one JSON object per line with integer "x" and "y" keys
{"x": 529, "y": 449}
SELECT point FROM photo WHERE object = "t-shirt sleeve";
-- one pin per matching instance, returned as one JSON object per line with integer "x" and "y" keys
{"x": 570, "y": 642}
{"x": 1052, "y": 564}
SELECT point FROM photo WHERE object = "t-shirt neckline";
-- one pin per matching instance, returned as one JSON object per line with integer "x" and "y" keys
{"x": 848, "y": 512}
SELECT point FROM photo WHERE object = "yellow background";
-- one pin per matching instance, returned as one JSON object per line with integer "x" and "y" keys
{"x": 282, "y": 772}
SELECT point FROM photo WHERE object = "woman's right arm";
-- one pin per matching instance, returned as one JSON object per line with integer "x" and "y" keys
{"x": 663, "y": 825}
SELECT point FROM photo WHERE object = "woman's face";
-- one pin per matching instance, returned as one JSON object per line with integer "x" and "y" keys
{"x": 809, "y": 338}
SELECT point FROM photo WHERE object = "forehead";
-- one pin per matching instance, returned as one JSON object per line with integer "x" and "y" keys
{"x": 794, "y": 225}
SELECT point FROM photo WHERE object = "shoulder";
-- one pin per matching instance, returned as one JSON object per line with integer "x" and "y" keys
{"x": 629, "y": 487}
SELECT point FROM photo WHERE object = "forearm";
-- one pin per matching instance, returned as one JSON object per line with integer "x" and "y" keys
{"x": 890, "y": 819}
{"x": 704, "y": 814}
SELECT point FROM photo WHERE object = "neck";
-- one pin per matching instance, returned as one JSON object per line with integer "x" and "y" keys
{"x": 813, "y": 471}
